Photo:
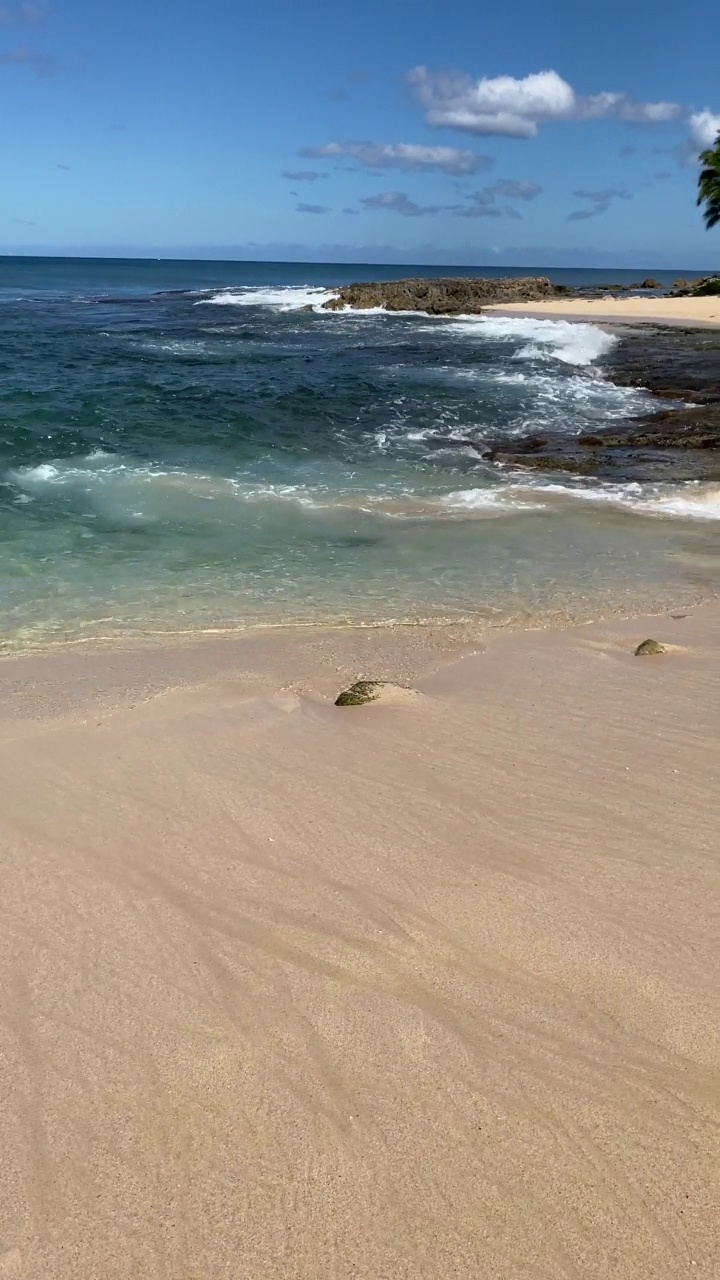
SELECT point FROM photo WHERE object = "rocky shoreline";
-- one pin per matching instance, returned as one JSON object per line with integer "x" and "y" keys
{"x": 680, "y": 365}
{"x": 469, "y": 295}
{"x": 676, "y": 443}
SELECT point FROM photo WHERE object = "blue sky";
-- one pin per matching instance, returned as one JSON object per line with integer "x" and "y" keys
{"x": 413, "y": 130}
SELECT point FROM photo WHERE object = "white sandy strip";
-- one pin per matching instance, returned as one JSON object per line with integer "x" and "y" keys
{"x": 621, "y": 309}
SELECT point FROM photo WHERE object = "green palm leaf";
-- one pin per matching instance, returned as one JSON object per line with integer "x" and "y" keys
{"x": 709, "y": 184}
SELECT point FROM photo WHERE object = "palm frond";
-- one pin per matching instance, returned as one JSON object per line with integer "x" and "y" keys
{"x": 709, "y": 185}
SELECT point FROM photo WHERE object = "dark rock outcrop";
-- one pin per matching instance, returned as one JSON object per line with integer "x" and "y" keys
{"x": 672, "y": 444}
{"x": 673, "y": 362}
{"x": 690, "y": 428}
{"x": 706, "y": 286}
{"x": 444, "y": 297}
{"x": 679, "y": 444}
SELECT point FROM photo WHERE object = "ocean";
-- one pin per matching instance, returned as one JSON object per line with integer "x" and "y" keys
{"x": 191, "y": 446}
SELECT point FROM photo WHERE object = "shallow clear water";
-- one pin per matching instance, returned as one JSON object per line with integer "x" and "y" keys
{"x": 220, "y": 456}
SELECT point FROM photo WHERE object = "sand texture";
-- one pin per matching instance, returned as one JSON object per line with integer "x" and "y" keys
{"x": 621, "y": 309}
{"x": 421, "y": 991}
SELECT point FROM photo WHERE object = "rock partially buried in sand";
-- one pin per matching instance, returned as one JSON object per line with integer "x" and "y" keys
{"x": 375, "y": 691}
{"x": 649, "y": 647}
{"x": 360, "y": 693}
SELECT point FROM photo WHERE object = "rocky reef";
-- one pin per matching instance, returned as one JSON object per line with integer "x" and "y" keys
{"x": 675, "y": 443}
{"x": 679, "y": 365}
{"x": 454, "y": 296}
{"x": 444, "y": 297}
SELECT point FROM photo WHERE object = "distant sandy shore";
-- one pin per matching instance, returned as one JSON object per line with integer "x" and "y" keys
{"x": 420, "y": 991}
{"x": 621, "y": 310}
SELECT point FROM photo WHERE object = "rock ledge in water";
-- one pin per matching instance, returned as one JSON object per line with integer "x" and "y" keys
{"x": 444, "y": 297}
{"x": 649, "y": 647}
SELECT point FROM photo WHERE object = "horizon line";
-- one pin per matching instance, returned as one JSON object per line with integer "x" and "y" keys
{"x": 148, "y": 256}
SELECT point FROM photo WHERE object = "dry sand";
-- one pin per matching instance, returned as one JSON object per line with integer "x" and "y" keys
{"x": 621, "y": 310}
{"x": 415, "y": 991}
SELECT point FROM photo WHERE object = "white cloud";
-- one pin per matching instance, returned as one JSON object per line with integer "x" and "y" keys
{"x": 407, "y": 156}
{"x": 304, "y": 175}
{"x": 607, "y": 193}
{"x": 647, "y": 112}
{"x": 510, "y": 107}
{"x": 593, "y": 211}
{"x": 502, "y": 105}
{"x": 33, "y": 13}
{"x": 597, "y": 202}
{"x": 477, "y": 207}
{"x": 43, "y": 64}
{"x": 599, "y": 106}
{"x": 312, "y": 208}
{"x": 398, "y": 202}
{"x": 477, "y": 204}
{"x": 483, "y": 203}
{"x": 515, "y": 190}
{"x": 704, "y": 127}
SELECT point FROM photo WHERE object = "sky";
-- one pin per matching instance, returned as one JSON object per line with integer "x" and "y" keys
{"x": 433, "y": 131}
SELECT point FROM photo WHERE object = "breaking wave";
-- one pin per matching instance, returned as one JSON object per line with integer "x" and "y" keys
{"x": 285, "y": 298}
{"x": 122, "y": 489}
{"x": 572, "y": 343}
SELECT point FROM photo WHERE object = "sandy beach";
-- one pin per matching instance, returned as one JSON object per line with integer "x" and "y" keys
{"x": 417, "y": 990}
{"x": 621, "y": 309}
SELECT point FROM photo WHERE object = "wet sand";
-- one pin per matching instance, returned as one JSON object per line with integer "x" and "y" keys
{"x": 695, "y": 312}
{"x": 409, "y": 991}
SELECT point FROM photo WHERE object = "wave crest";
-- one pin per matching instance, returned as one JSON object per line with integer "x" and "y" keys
{"x": 284, "y": 298}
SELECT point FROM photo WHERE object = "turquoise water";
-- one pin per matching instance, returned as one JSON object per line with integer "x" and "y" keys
{"x": 187, "y": 446}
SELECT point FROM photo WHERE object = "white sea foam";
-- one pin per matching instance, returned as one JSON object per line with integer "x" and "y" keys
{"x": 127, "y": 491}
{"x": 692, "y": 501}
{"x": 577, "y": 344}
{"x": 572, "y": 343}
{"x": 547, "y": 397}
{"x": 703, "y": 504}
{"x": 503, "y": 500}
{"x": 181, "y": 347}
{"x": 285, "y": 298}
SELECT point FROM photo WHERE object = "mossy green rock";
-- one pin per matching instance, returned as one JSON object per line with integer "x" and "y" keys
{"x": 360, "y": 693}
{"x": 649, "y": 647}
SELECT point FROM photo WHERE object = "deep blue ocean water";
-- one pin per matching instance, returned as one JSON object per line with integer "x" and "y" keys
{"x": 183, "y": 446}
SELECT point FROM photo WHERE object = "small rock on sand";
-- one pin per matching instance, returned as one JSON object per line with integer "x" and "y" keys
{"x": 649, "y": 647}
{"x": 364, "y": 691}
